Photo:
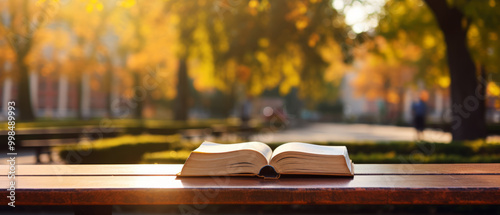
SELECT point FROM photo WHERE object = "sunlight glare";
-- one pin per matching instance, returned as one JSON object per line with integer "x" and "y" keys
{"x": 361, "y": 15}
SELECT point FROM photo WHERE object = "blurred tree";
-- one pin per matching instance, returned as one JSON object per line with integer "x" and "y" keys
{"x": 404, "y": 51}
{"x": 459, "y": 28}
{"x": 195, "y": 53}
{"x": 147, "y": 42}
{"x": 467, "y": 103}
{"x": 21, "y": 21}
{"x": 388, "y": 68}
{"x": 250, "y": 46}
{"x": 87, "y": 55}
{"x": 283, "y": 43}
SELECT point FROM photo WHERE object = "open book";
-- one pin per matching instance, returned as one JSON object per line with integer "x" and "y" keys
{"x": 257, "y": 159}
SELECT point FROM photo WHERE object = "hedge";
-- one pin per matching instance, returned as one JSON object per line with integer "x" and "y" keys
{"x": 121, "y": 150}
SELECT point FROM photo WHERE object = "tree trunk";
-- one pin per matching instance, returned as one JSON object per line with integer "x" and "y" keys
{"x": 399, "y": 118}
{"x": 181, "y": 105}
{"x": 468, "y": 104}
{"x": 139, "y": 96}
{"x": 108, "y": 88}
{"x": 79, "y": 94}
{"x": 24, "y": 94}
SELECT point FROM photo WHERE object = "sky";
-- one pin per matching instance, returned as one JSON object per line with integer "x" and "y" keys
{"x": 361, "y": 15}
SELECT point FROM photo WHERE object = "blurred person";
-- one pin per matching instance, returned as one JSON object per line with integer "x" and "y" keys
{"x": 246, "y": 111}
{"x": 419, "y": 112}
{"x": 245, "y": 116}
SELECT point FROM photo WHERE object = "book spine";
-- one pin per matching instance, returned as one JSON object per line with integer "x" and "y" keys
{"x": 268, "y": 172}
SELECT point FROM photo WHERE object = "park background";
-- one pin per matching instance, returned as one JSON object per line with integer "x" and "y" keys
{"x": 146, "y": 81}
{"x": 135, "y": 81}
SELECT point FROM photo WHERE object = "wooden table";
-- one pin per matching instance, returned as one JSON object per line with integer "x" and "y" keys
{"x": 158, "y": 185}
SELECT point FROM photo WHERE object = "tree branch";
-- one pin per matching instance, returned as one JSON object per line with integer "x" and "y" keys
{"x": 441, "y": 11}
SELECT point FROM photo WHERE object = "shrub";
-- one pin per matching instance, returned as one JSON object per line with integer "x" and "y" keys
{"x": 120, "y": 150}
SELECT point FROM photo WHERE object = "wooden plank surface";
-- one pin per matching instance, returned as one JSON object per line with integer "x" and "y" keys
{"x": 156, "y": 184}
{"x": 362, "y": 189}
{"x": 172, "y": 169}
{"x": 428, "y": 169}
{"x": 94, "y": 170}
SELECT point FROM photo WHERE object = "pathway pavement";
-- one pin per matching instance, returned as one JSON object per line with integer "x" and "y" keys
{"x": 316, "y": 132}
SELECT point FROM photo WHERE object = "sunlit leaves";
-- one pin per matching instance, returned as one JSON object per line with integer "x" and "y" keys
{"x": 282, "y": 44}
{"x": 387, "y": 67}
{"x": 250, "y": 45}
{"x": 415, "y": 39}
{"x": 126, "y": 3}
{"x": 94, "y": 5}
{"x": 493, "y": 89}
{"x": 444, "y": 82}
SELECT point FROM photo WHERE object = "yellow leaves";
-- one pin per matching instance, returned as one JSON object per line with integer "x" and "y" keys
{"x": 253, "y": 3}
{"x": 429, "y": 41}
{"x": 392, "y": 97}
{"x": 203, "y": 71}
{"x": 291, "y": 78}
{"x": 492, "y": 3}
{"x": 387, "y": 70}
{"x": 6, "y": 54}
{"x": 175, "y": 19}
{"x": 381, "y": 43}
{"x": 94, "y": 5}
{"x": 126, "y": 3}
{"x": 444, "y": 81}
{"x": 493, "y": 89}
{"x": 438, "y": 76}
{"x": 223, "y": 44}
{"x": 41, "y": 2}
{"x": 302, "y": 23}
{"x": 254, "y": 6}
{"x": 302, "y": 8}
{"x": 137, "y": 61}
{"x": 332, "y": 54}
{"x": 412, "y": 53}
{"x": 399, "y": 9}
{"x": 298, "y": 14}
{"x": 59, "y": 38}
{"x": 313, "y": 39}
{"x": 283, "y": 72}
{"x": 263, "y": 42}
{"x": 262, "y": 58}
{"x": 474, "y": 36}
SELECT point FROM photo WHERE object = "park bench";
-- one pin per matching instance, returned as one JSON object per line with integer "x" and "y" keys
{"x": 42, "y": 139}
{"x": 95, "y": 188}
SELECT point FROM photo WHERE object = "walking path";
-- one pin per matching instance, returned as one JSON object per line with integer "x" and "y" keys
{"x": 317, "y": 132}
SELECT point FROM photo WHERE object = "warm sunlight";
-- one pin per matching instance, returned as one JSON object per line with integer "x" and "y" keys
{"x": 361, "y": 15}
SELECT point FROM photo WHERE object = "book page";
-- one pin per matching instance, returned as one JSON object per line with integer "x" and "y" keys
{"x": 310, "y": 148}
{"x": 304, "y": 158}
{"x": 210, "y": 147}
